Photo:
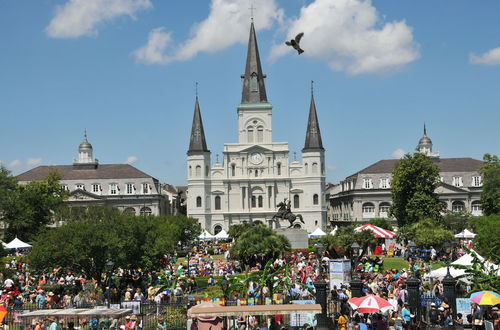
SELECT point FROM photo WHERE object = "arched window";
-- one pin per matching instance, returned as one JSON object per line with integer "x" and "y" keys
{"x": 296, "y": 201}
{"x": 198, "y": 201}
{"x": 145, "y": 211}
{"x": 217, "y": 229}
{"x": 253, "y": 201}
{"x": 260, "y": 134}
{"x": 306, "y": 168}
{"x": 315, "y": 168}
{"x": 217, "y": 202}
{"x": 129, "y": 211}
{"x": 368, "y": 210}
{"x": 250, "y": 134}
{"x": 315, "y": 199}
{"x": 233, "y": 169}
{"x": 279, "y": 168}
{"x": 457, "y": 206}
{"x": 198, "y": 171}
{"x": 260, "y": 201}
{"x": 256, "y": 173}
{"x": 475, "y": 208}
{"x": 384, "y": 210}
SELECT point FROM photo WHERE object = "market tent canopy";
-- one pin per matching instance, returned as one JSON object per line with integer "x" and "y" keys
{"x": 377, "y": 231}
{"x": 222, "y": 235}
{"x": 206, "y": 236}
{"x": 205, "y": 311}
{"x": 465, "y": 234}
{"x": 465, "y": 260}
{"x": 16, "y": 243}
{"x": 317, "y": 233}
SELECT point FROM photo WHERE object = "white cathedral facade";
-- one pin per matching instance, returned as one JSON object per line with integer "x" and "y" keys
{"x": 256, "y": 173}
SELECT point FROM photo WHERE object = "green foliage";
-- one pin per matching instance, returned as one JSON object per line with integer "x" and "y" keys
{"x": 100, "y": 234}
{"x": 490, "y": 196}
{"x": 487, "y": 240}
{"x": 259, "y": 244}
{"x": 426, "y": 232}
{"x": 235, "y": 231}
{"x": 413, "y": 185}
{"x": 345, "y": 237}
{"x": 27, "y": 209}
{"x": 382, "y": 223}
{"x": 456, "y": 221}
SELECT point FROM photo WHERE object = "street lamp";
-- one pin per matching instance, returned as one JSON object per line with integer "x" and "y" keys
{"x": 321, "y": 295}
{"x": 355, "y": 249}
{"x": 110, "y": 264}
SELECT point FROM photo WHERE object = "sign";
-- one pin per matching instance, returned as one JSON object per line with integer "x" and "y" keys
{"x": 299, "y": 319}
{"x": 340, "y": 272}
{"x": 464, "y": 307}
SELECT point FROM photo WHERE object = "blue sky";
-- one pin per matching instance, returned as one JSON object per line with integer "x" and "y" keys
{"x": 125, "y": 70}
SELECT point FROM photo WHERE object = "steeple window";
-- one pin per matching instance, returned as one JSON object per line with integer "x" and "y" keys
{"x": 260, "y": 201}
{"x": 315, "y": 199}
{"x": 315, "y": 168}
{"x": 250, "y": 134}
{"x": 233, "y": 169}
{"x": 198, "y": 171}
{"x": 279, "y": 168}
{"x": 260, "y": 134}
{"x": 306, "y": 168}
{"x": 217, "y": 202}
{"x": 198, "y": 201}
{"x": 254, "y": 83}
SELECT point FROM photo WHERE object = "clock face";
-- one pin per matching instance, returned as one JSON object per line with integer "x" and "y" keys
{"x": 256, "y": 158}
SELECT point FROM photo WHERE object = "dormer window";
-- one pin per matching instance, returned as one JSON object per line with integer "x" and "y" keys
{"x": 80, "y": 186}
{"x": 476, "y": 181}
{"x": 254, "y": 83}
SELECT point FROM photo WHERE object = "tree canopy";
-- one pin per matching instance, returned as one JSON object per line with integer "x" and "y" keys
{"x": 487, "y": 240}
{"x": 413, "y": 185}
{"x": 490, "y": 196}
{"x": 27, "y": 209}
{"x": 259, "y": 244}
{"x": 344, "y": 238}
{"x": 98, "y": 234}
{"x": 426, "y": 232}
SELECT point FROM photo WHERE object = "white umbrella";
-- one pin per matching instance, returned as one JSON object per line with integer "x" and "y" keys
{"x": 16, "y": 243}
{"x": 317, "y": 233}
{"x": 465, "y": 234}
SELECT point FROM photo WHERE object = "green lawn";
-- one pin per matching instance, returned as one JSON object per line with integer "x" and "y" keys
{"x": 396, "y": 263}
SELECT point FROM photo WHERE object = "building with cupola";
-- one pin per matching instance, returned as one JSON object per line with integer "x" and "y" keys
{"x": 366, "y": 194}
{"x": 255, "y": 173}
{"x": 118, "y": 185}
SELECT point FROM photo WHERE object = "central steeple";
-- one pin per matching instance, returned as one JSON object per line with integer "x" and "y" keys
{"x": 254, "y": 89}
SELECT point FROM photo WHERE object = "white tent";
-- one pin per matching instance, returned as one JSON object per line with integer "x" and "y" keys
{"x": 317, "y": 233}
{"x": 206, "y": 236}
{"x": 222, "y": 235}
{"x": 464, "y": 260}
{"x": 334, "y": 231}
{"x": 465, "y": 234}
{"x": 16, "y": 244}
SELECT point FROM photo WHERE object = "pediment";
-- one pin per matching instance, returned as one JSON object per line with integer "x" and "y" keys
{"x": 256, "y": 148}
{"x": 80, "y": 194}
{"x": 217, "y": 192}
{"x": 448, "y": 188}
{"x": 296, "y": 191}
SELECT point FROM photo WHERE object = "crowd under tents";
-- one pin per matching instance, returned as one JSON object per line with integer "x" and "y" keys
{"x": 465, "y": 260}
{"x": 222, "y": 235}
{"x": 206, "y": 236}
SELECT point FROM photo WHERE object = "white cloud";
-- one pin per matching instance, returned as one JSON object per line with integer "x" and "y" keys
{"x": 398, "y": 153}
{"x": 154, "y": 51}
{"x": 15, "y": 163}
{"x": 351, "y": 37}
{"x": 131, "y": 159}
{"x": 33, "y": 161}
{"x": 226, "y": 24}
{"x": 331, "y": 168}
{"x": 491, "y": 57}
{"x": 78, "y": 18}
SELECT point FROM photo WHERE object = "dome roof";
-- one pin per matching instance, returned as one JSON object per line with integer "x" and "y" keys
{"x": 425, "y": 140}
{"x": 85, "y": 145}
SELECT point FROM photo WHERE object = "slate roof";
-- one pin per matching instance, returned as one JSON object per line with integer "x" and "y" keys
{"x": 253, "y": 66}
{"x": 197, "y": 141}
{"x": 444, "y": 164}
{"x": 313, "y": 134}
{"x": 71, "y": 172}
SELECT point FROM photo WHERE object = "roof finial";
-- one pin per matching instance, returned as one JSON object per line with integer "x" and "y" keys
{"x": 196, "y": 89}
{"x": 252, "y": 8}
{"x": 312, "y": 87}
{"x": 425, "y": 130}
{"x": 85, "y": 134}
{"x": 294, "y": 156}
{"x": 217, "y": 156}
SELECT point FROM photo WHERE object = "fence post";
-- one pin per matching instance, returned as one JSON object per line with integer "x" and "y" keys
{"x": 449, "y": 291}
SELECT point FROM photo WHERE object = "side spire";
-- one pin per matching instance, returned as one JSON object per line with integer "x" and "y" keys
{"x": 425, "y": 130}
{"x": 254, "y": 89}
{"x": 313, "y": 134}
{"x": 197, "y": 142}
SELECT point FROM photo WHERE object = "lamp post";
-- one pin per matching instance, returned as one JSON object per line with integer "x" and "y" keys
{"x": 412, "y": 285}
{"x": 110, "y": 264}
{"x": 413, "y": 248}
{"x": 356, "y": 284}
{"x": 320, "y": 285}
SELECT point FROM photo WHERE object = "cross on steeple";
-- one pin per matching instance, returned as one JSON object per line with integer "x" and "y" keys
{"x": 312, "y": 87}
{"x": 252, "y": 8}
{"x": 196, "y": 89}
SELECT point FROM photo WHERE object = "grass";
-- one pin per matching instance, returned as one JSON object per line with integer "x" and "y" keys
{"x": 395, "y": 263}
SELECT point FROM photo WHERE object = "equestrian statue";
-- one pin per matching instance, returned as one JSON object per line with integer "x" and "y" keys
{"x": 285, "y": 213}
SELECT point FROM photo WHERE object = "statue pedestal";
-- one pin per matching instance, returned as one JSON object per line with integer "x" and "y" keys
{"x": 299, "y": 238}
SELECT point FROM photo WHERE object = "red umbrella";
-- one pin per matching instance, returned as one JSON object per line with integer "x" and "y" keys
{"x": 369, "y": 304}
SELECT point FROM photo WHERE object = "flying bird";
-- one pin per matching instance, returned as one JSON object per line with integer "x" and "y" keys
{"x": 295, "y": 43}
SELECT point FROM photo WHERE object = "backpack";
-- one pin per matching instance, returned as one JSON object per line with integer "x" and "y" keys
{"x": 433, "y": 316}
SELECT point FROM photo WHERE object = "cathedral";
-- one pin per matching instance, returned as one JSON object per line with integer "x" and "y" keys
{"x": 256, "y": 173}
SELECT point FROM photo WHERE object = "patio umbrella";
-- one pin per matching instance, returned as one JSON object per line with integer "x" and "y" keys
{"x": 485, "y": 298}
{"x": 369, "y": 304}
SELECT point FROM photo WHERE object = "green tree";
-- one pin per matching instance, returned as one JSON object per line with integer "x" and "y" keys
{"x": 346, "y": 235}
{"x": 481, "y": 273}
{"x": 235, "y": 231}
{"x": 382, "y": 223}
{"x": 30, "y": 207}
{"x": 456, "y": 221}
{"x": 259, "y": 244}
{"x": 414, "y": 181}
{"x": 427, "y": 232}
{"x": 189, "y": 227}
{"x": 487, "y": 240}
{"x": 490, "y": 196}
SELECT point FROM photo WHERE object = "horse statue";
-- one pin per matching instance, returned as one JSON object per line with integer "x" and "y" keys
{"x": 285, "y": 213}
